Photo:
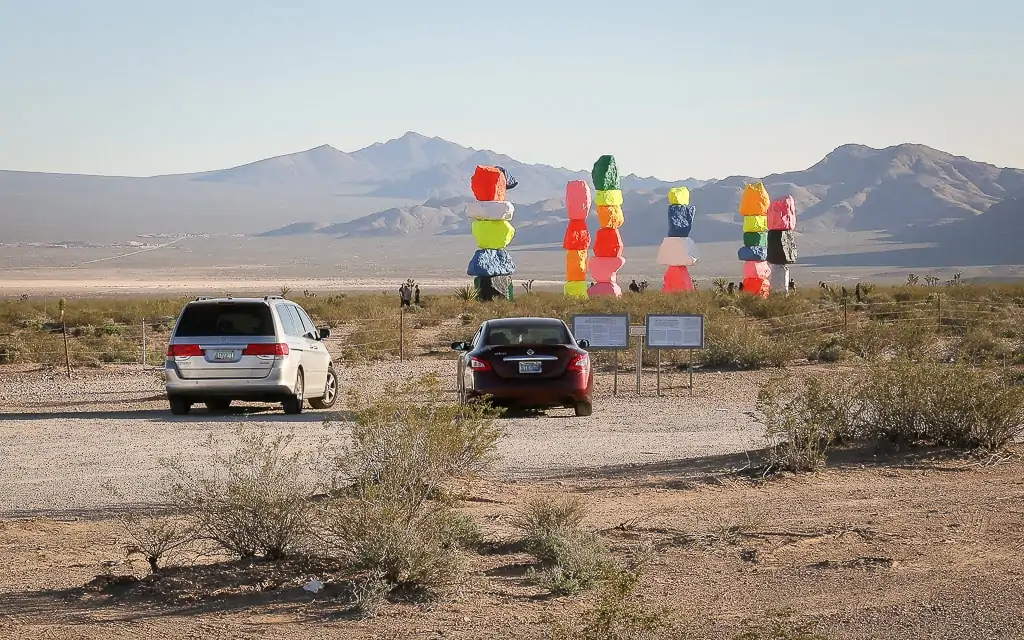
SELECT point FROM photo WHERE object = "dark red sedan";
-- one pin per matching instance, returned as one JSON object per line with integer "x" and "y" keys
{"x": 526, "y": 362}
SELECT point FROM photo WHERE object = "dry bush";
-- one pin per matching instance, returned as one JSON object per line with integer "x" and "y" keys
{"x": 391, "y": 517}
{"x": 253, "y": 501}
{"x": 733, "y": 344}
{"x": 155, "y": 538}
{"x": 897, "y": 401}
{"x": 981, "y": 346}
{"x": 803, "y": 417}
{"x": 776, "y": 625}
{"x": 571, "y": 558}
{"x": 619, "y": 612}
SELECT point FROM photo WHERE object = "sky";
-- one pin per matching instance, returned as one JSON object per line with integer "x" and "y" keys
{"x": 673, "y": 89}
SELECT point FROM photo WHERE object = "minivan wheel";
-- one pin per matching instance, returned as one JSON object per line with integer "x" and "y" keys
{"x": 294, "y": 403}
{"x": 217, "y": 404}
{"x": 179, "y": 406}
{"x": 330, "y": 392}
{"x": 584, "y": 408}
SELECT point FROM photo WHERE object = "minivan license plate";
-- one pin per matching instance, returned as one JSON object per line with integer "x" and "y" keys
{"x": 531, "y": 366}
{"x": 222, "y": 356}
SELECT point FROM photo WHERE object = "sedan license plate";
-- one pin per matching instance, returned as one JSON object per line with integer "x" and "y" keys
{"x": 529, "y": 366}
{"x": 223, "y": 356}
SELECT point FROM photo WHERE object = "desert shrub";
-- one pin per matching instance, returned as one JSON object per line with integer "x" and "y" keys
{"x": 571, "y": 558}
{"x": 12, "y": 350}
{"x": 619, "y": 612}
{"x": 252, "y": 501}
{"x": 980, "y": 346}
{"x": 414, "y": 435}
{"x": 971, "y": 408}
{"x": 409, "y": 545}
{"x": 776, "y": 625}
{"x": 391, "y": 516}
{"x": 828, "y": 349}
{"x": 155, "y": 537}
{"x": 735, "y": 345}
{"x": 897, "y": 401}
{"x": 803, "y": 417}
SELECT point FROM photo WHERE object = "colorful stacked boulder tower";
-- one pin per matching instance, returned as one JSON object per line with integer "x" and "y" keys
{"x": 607, "y": 258}
{"x": 754, "y": 253}
{"x": 491, "y": 266}
{"x": 577, "y": 238}
{"x": 781, "y": 241}
{"x": 677, "y": 252}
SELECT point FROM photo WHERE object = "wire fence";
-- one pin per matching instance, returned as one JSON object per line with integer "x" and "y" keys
{"x": 399, "y": 335}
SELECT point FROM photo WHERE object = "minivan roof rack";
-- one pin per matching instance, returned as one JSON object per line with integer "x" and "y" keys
{"x": 203, "y": 298}
{"x": 273, "y": 297}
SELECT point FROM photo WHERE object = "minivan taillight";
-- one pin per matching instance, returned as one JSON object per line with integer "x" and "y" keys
{"x": 476, "y": 364}
{"x": 183, "y": 350}
{"x": 581, "y": 363}
{"x": 278, "y": 349}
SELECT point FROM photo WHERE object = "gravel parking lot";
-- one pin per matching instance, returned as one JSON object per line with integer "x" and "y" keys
{"x": 61, "y": 440}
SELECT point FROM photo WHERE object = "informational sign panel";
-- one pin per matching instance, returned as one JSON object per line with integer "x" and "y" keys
{"x": 675, "y": 332}
{"x": 609, "y": 332}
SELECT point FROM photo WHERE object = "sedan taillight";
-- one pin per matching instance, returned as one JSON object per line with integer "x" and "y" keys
{"x": 278, "y": 349}
{"x": 183, "y": 350}
{"x": 580, "y": 362}
{"x": 476, "y": 364}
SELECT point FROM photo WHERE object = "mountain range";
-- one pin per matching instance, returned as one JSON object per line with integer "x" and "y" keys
{"x": 414, "y": 183}
{"x": 907, "y": 191}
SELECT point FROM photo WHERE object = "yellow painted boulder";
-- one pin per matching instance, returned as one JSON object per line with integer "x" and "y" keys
{"x": 606, "y": 198}
{"x": 576, "y": 289}
{"x": 755, "y": 224}
{"x": 493, "y": 234}
{"x": 679, "y": 195}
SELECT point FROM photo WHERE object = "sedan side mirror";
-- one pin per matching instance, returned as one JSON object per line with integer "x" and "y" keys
{"x": 325, "y": 333}
{"x": 460, "y": 346}
{"x": 584, "y": 344}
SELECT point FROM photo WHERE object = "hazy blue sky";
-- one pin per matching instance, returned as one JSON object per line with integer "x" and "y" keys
{"x": 672, "y": 88}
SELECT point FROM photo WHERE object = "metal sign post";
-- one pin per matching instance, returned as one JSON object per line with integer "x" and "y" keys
{"x": 685, "y": 331}
{"x": 604, "y": 332}
{"x": 639, "y": 331}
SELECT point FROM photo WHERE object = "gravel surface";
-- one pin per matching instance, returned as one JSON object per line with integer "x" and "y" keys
{"x": 61, "y": 441}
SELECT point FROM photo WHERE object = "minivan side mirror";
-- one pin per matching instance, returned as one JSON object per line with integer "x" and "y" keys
{"x": 584, "y": 344}
{"x": 325, "y": 333}
{"x": 460, "y": 346}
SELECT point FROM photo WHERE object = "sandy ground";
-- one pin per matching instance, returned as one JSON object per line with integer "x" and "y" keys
{"x": 925, "y": 545}
{"x": 114, "y": 427}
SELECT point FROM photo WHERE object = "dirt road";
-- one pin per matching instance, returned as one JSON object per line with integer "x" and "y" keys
{"x": 61, "y": 441}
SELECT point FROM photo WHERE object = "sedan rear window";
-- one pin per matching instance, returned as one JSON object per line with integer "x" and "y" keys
{"x": 527, "y": 334}
{"x": 226, "y": 319}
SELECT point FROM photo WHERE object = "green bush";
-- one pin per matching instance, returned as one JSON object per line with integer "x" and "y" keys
{"x": 391, "y": 516}
{"x": 253, "y": 501}
{"x": 571, "y": 559}
{"x": 898, "y": 401}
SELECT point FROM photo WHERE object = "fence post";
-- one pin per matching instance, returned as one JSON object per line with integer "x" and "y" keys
{"x": 67, "y": 350}
{"x": 144, "y": 342}
{"x": 938, "y": 310}
{"x": 401, "y": 334}
{"x": 846, "y": 315}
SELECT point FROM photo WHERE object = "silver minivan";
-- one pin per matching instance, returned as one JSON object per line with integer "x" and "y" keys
{"x": 248, "y": 349}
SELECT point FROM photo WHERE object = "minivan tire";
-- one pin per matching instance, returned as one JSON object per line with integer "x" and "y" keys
{"x": 293, "y": 404}
{"x": 330, "y": 396}
{"x": 584, "y": 408}
{"x": 179, "y": 406}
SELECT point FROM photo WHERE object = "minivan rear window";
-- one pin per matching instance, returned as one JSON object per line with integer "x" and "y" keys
{"x": 226, "y": 319}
